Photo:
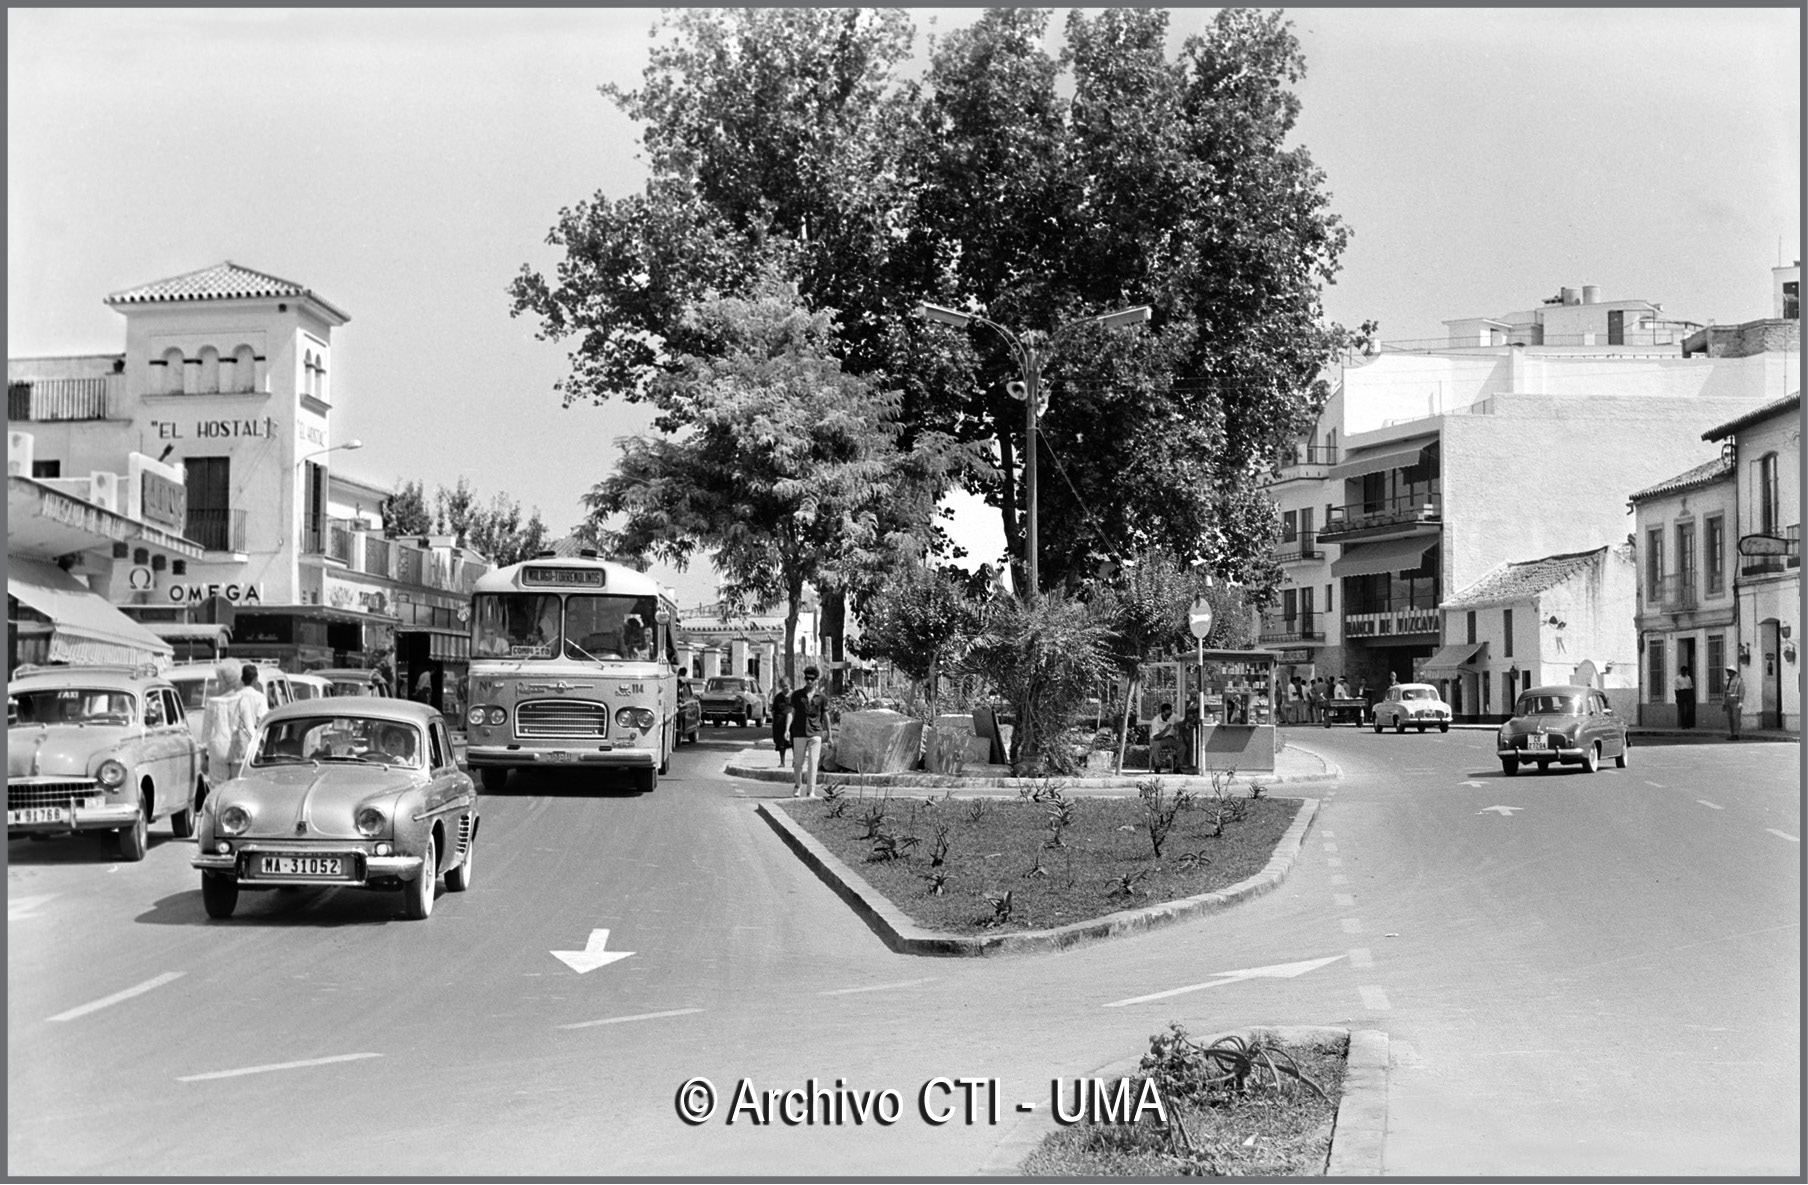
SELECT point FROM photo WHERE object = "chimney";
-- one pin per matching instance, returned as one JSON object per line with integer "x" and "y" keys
{"x": 1591, "y": 294}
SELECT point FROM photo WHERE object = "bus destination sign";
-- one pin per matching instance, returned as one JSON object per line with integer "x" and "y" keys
{"x": 563, "y": 577}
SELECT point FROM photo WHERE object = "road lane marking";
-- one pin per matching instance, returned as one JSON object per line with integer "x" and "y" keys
{"x": 1344, "y": 900}
{"x": 1783, "y": 835}
{"x": 876, "y": 987}
{"x": 116, "y": 997}
{"x": 1330, "y": 847}
{"x": 1329, "y": 834}
{"x": 1373, "y": 998}
{"x": 24, "y": 907}
{"x": 1279, "y": 971}
{"x": 1714, "y": 805}
{"x": 1352, "y": 925}
{"x": 1338, "y": 878}
{"x": 1360, "y": 957}
{"x": 622, "y": 1020}
{"x": 1333, "y": 861}
{"x": 274, "y": 1066}
{"x": 1659, "y": 785}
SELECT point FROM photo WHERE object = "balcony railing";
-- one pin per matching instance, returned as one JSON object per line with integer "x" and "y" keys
{"x": 216, "y": 530}
{"x": 1303, "y": 546}
{"x": 1676, "y": 592}
{"x": 1389, "y": 512}
{"x": 377, "y": 553}
{"x": 1295, "y": 456}
{"x": 1762, "y": 565}
{"x": 57, "y": 399}
{"x": 1391, "y": 623}
{"x": 1284, "y": 631}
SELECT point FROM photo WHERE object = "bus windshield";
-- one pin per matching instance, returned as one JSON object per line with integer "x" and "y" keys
{"x": 591, "y": 628}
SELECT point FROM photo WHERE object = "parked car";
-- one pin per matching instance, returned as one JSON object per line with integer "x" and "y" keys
{"x": 352, "y": 791}
{"x": 353, "y": 681}
{"x": 1418, "y": 704}
{"x": 99, "y": 748}
{"x": 733, "y": 697}
{"x": 690, "y": 713}
{"x": 1564, "y": 724}
{"x": 307, "y": 687}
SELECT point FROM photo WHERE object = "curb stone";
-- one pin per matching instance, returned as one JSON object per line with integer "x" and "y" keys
{"x": 1356, "y": 1133}
{"x": 904, "y": 936}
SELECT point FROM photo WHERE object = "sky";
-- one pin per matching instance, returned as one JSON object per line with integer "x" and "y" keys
{"x": 405, "y": 164}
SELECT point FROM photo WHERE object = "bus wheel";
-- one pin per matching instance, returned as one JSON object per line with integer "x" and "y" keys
{"x": 494, "y": 777}
{"x": 646, "y": 781}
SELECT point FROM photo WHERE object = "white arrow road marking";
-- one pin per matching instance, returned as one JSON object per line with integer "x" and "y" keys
{"x": 593, "y": 955}
{"x": 313, "y": 1061}
{"x": 1279, "y": 971}
{"x": 1783, "y": 835}
{"x": 1711, "y": 805}
{"x": 25, "y": 907}
{"x": 1505, "y": 810}
{"x": 1477, "y": 785}
{"x": 622, "y": 1020}
{"x": 877, "y": 987}
{"x": 116, "y": 997}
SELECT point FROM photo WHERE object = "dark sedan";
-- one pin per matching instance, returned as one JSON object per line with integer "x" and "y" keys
{"x": 1564, "y": 725}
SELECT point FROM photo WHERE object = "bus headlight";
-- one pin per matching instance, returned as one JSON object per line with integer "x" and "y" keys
{"x": 641, "y": 718}
{"x": 475, "y": 715}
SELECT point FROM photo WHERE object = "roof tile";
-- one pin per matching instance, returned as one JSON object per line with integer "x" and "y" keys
{"x": 1703, "y": 474}
{"x": 1517, "y": 581}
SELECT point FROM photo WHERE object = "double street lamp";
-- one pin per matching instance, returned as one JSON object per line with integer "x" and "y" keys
{"x": 1030, "y": 361}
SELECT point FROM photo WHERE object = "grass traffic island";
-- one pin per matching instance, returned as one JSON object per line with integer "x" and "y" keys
{"x": 985, "y": 867}
{"x": 1263, "y": 1103}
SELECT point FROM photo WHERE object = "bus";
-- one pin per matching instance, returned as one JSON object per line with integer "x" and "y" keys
{"x": 573, "y": 664}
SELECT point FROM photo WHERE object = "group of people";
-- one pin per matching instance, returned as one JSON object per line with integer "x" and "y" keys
{"x": 800, "y": 721}
{"x": 1304, "y": 703}
{"x": 1732, "y": 700}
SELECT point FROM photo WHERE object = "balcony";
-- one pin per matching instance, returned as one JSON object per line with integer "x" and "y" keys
{"x": 216, "y": 530}
{"x": 1303, "y": 546}
{"x": 44, "y": 400}
{"x": 1292, "y": 631}
{"x": 377, "y": 556}
{"x": 1767, "y": 565}
{"x": 1676, "y": 593}
{"x": 1391, "y": 516}
{"x": 1306, "y": 460}
{"x": 1391, "y": 623}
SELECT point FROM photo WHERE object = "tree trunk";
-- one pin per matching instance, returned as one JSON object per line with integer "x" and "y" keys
{"x": 833, "y": 619}
{"x": 1123, "y": 732}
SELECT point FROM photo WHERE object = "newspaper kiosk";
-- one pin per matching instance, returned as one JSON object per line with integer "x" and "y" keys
{"x": 1228, "y": 696}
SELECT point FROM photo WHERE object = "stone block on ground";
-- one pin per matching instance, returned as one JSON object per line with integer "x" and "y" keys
{"x": 879, "y": 741}
{"x": 951, "y": 749}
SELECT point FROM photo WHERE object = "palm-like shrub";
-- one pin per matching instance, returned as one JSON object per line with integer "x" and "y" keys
{"x": 1044, "y": 655}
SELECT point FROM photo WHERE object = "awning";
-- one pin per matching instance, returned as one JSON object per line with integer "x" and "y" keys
{"x": 443, "y": 645}
{"x": 86, "y": 628}
{"x": 1450, "y": 658}
{"x": 190, "y": 631}
{"x": 1388, "y": 555}
{"x": 1378, "y": 462}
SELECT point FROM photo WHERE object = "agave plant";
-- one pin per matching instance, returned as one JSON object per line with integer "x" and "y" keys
{"x": 1185, "y": 1069}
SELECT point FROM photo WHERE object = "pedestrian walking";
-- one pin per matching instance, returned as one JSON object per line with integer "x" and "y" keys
{"x": 809, "y": 724}
{"x": 423, "y": 687}
{"x": 1685, "y": 699}
{"x": 781, "y": 719}
{"x": 1733, "y": 700}
{"x": 247, "y": 711}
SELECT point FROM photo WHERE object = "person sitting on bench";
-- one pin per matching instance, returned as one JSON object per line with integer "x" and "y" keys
{"x": 1164, "y": 740}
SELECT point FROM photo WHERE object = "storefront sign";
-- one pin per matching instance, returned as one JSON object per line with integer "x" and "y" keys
{"x": 236, "y": 594}
{"x": 215, "y": 429}
{"x": 164, "y": 501}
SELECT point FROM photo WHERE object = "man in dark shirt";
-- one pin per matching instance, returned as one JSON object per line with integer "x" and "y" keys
{"x": 809, "y": 724}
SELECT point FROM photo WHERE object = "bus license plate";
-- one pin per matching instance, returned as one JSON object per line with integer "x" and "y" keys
{"x": 558, "y": 755}
{"x": 301, "y": 866}
{"x": 38, "y": 814}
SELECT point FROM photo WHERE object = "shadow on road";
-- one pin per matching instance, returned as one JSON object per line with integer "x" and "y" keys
{"x": 78, "y": 847}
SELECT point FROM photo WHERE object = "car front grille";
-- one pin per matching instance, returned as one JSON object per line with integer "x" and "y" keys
{"x": 562, "y": 718}
{"x": 47, "y": 792}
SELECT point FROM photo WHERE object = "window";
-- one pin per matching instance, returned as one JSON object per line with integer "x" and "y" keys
{"x": 1328, "y": 598}
{"x": 1289, "y": 607}
{"x": 1289, "y": 526}
{"x": 1305, "y": 528}
{"x": 155, "y": 710}
{"x": 1657, "y": 687}
{"x": 1506, "y": 625}
{"x": 1305, "y": 608}
{"x": 1792, "y": 300}
{"x": 1715, "y": 553}
{"x": 1654, "y": 564}
{"x": 1685, "y": 563}
{"x": 441, "y": 747}
{"x": 313, "y": 538}
{"x": 1716, "y": 685}
{"x": 1487, "y": 694}
{"x": 43, "y": 469}
{"x": 1471, "y": 635}
{"x": 1506, "y": 687}
{"x": 210, "y": 502}
{"x": 1767, "y": 511}
{"x": 1616, "y": 327}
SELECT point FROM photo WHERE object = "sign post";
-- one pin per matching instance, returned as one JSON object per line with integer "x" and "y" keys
{"x": 1199, "y": 620}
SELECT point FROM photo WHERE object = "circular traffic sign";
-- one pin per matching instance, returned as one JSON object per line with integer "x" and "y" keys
{"x": 1199, "y": 618}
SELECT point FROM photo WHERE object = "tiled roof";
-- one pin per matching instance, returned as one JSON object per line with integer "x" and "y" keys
{"x": 222, "y": 281}
{"x": 1516, "y": 582}
{"x": 1793, "y": 400}
{"x": 1704, "y": 474}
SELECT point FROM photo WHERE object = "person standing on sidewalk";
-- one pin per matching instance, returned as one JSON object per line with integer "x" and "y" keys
{"x": 1733, "y": 700}
{"x": 809, "y": 724}
{"x": 1685, "y": 699}
{"x": 781, "y": 719}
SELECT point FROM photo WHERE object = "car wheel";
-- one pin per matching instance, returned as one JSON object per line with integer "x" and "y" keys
{"x": 1591, "y": 759}
{"x": 136, "y": 839}
{"x": 459, "y": 879}
{"x": 493, "y": 777}
{"x": 182, "y": 823}
{"x": 1377, "y": 724}
{"x": 1400, "y": 724}
{"x": 417, "y": 894}
{"x": 1509, "y": 766}
{"x": 1444, "y": 726}
{"x": 1619, "y": 759}
{"x": 741, "y": 719}
{"x": 219, "y": 894}
{"x": 646, "y": 781}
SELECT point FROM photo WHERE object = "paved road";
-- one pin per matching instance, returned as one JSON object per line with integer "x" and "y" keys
{"x": 1603, "y": 980}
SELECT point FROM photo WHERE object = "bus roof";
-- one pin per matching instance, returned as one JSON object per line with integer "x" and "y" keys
{"x": 580, "y": 574}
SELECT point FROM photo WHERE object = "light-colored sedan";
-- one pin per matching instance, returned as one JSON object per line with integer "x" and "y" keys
{"x": 1415, "y": 704}
{"x": 99, "y": 748}
{"x": 350, "y": 791}
{"x": 1563, "y": 725}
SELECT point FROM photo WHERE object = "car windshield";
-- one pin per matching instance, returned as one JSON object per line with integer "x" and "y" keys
{"x": 1550, "y": 705}
{"x": 70, "y": 705}
{"x": 1418, "y": 693}
{"x": 720, "y": 684}
{"x": 587, "y": 627}
{"x": 340, "y": 738}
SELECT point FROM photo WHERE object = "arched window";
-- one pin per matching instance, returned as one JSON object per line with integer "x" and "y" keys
{"x": 208, "y": 383}
{"x": 244, "y": 369}
{"x": 173, "y": 366}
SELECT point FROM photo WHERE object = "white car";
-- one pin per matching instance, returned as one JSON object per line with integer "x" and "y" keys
{"x": 310, "y": 686}
{"x": 1417, "y": 704}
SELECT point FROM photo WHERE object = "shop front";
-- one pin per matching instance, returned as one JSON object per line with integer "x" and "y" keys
{"x": 304, "y": 637}
{"x": 54, "y": 618}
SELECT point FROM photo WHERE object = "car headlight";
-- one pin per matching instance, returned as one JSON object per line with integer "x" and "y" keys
{"x": 370, "y": 822}
{"x": 233, "y": 820}
{"x": 641, "y": 718}
{"x": 111, "y": 774}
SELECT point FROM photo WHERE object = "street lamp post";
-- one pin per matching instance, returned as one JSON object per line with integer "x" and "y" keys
{"x": 348, "y": 446}
{"x": 1030, "y": 361}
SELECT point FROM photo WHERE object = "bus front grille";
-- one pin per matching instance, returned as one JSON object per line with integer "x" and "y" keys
{"x": 562, "y": 718}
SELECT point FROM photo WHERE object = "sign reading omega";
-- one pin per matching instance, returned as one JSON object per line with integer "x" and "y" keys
{"x": 235, "y": 594}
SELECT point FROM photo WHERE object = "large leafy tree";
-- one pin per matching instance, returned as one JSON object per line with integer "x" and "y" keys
{"x": 921, "y": 623}
{"x": 786, "y": 469}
